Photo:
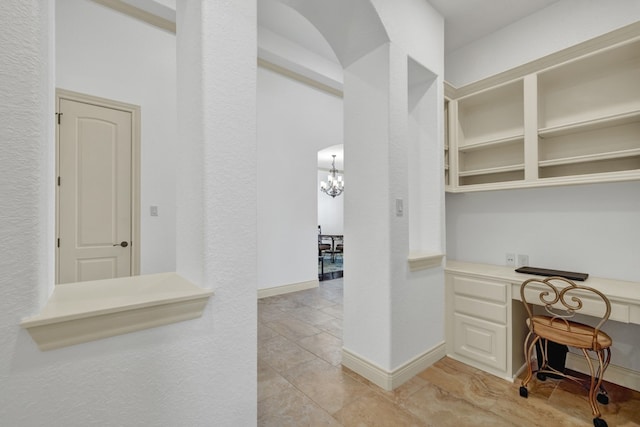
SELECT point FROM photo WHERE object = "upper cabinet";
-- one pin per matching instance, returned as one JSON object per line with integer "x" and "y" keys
{"x": 554, "y": 122}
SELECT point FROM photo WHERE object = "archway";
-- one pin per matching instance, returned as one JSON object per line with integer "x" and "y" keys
{"x": 387, "y": 305}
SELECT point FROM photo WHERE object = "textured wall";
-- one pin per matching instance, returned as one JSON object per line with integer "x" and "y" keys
{"x": 200, "y": 372}
{"x": 386, "y": 305}
{"x": 217, "y": 200}
{"x": 26, "y": 185}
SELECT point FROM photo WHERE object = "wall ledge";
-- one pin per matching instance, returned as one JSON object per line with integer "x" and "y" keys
{"x": 424, "y": 260}
{"x": 87, "y": 311}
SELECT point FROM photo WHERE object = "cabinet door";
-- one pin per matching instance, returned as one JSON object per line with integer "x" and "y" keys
{"x": 482, "y": 341}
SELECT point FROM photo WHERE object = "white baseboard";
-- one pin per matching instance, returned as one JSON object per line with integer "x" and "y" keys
{"x": 614, "y": 374}
{"x": 285, "y": 289}
{"x": 394, "y": 379}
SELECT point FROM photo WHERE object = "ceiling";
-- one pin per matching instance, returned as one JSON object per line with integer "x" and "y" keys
{"x": 465, "y": 20}
{"x": 468, "y": 20}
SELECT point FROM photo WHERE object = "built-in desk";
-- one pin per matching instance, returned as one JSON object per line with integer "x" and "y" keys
{"x": 485, "y": 328}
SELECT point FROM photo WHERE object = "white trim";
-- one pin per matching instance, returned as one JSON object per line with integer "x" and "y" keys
{"x": 614, "y": 374}
{"x": 86, "y": 311}
{"x": 394, "y": 379}
{"x": 366, "y": 369}
{"x": 140, "y": 14}
{"x": 313, "y": 82}
{"x": 424, "y": 261}
{"x": 595, "y": 178}
{"x": 285, "y": 289}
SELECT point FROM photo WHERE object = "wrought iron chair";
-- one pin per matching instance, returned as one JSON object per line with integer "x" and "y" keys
{"x": 563, "y": 299}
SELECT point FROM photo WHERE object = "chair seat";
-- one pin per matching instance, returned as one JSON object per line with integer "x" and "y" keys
{"x": 569, "y": 333}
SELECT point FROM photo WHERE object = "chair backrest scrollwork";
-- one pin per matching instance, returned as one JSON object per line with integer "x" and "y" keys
{"x": 562, "y": 298}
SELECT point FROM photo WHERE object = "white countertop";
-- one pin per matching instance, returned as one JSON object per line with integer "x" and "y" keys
{"x": 616, "y": 290}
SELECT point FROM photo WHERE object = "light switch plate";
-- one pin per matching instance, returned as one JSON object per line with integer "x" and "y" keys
{"x": 399, "y": 207}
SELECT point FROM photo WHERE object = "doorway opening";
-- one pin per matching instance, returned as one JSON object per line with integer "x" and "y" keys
{"x": 330, "y": 215}
{"x": 97, "y": 188}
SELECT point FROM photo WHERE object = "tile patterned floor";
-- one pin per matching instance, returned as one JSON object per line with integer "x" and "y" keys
{"x": 301, "y": 381}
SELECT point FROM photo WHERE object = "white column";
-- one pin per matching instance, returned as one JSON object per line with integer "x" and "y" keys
{"x": 216, "y": 200}
{"x": 371, "y": 226}
{"x": 27, "y": 182}
{"x": 389, "y": 319}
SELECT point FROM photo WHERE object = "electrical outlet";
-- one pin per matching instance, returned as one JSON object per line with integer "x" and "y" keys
{"x": 510, "y": 259}
{"x": 523, "y": 260}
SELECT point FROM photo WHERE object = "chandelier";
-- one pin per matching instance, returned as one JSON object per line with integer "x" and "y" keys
{"x": 334, "y": 185}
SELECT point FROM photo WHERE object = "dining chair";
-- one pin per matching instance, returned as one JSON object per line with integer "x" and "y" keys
{"x": 323, "y": 245}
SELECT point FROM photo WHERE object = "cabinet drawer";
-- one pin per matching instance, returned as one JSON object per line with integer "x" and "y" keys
{"x": 489, "y": 291}
{"x": 478, "y": 308}
{"x": 482, "y": 341}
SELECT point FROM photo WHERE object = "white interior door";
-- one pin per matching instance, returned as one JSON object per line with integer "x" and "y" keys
{"x": 94, "y": 197}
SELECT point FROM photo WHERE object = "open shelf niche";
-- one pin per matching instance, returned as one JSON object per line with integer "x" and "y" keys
{"x": 491, "y": 135}
{"x": 589, "y": 114}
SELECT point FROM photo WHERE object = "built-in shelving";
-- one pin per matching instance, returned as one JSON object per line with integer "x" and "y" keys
{"x": 570, "y": 121}
{"x": 589, "y": 125}
{"x": 491, "y": 115}
{"x": 491, "y": 135}
{"x": 446, "y": 144}
{"x": 450, "y": 136}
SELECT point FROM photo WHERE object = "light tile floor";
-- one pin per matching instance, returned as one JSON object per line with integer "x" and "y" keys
{"x": 301, "y": 381}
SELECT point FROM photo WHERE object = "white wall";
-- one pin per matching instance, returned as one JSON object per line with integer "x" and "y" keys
{"x": 561, "y": 25}
{"x": 294, "y": 122}
{"x": 589, "y": 228}
{"x": 330, "y": 209}
{"x": 104, "y": 53}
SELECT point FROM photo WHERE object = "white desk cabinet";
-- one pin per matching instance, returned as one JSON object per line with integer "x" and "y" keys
{"x": 481, "y": 325}
{"x": 485, "y": 319}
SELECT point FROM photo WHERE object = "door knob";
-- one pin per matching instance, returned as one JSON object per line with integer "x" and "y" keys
{"x": 123, "y": 244}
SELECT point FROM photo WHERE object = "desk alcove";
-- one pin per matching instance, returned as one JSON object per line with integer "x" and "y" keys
{"x": 485, "y": 319}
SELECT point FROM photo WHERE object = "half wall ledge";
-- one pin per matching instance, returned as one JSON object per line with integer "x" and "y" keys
{"x": 425, "y": 260}
{"x": 86, "y": 311}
